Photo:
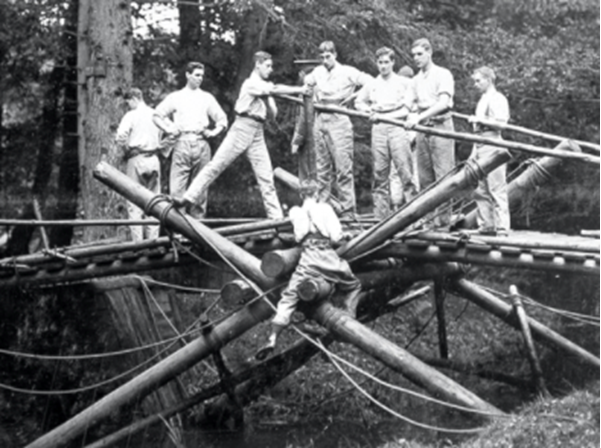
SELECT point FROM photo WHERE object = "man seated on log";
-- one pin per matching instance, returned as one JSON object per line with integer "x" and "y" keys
{"x": 317, "y": 229}
{"x": 255, "y": 103}
{"x": 138, "y": 138}
{"x": 491, "y": 193}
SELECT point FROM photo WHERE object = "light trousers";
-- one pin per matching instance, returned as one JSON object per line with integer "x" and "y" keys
{"x": 144, "y": 170}
{"x": 188, "y": 158}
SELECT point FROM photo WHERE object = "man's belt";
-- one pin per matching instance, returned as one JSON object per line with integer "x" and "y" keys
{"x": 392, "y": 109}
{"x": 437, "y": 119}
{"x": 135, "y": 151}
{"x": 252, "y": 117}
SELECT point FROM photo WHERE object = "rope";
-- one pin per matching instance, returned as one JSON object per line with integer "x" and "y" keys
{"x": 587, "y": 319}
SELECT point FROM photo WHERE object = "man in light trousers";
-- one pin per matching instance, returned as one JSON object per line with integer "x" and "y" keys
{"x": 138, "y": 138}
{"x": 491, "y": 193}
{"x": 246, "y": 137}
{"x": 434, "y": 88}
{"x": 185, "y": 117}
{"x": 334, "y": 84}
{"x": 388, "y": 96}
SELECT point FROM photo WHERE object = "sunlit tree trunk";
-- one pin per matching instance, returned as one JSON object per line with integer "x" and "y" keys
{"x": 105, "y": 71}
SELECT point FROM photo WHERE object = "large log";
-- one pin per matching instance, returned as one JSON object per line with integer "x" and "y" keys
{"x": 536, "y": 174}
{"x": 503, "y": 311}
{"x": 448, "y": 188}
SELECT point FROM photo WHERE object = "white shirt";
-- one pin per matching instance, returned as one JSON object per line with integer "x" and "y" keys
{"x": 429, "y": 86}
{"x": 315, "y": 217}
{"x": 336, "y": 85}
{"x": 190, "y": 110}
{"x": 493, "y": 106}
{"x": 137, "y": 130}
{"x": 385, "y": 95}
{"x": 253, "y": 96}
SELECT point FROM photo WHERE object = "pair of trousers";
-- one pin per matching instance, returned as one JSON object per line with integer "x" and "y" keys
{"x": 491, "y": 194}
{"x": 144, "y": 170}
{"x": 390, "y": 143}
{"x": 334, "y": 154}
{"x": 435, "y": 158}
{"x": 189, "y": 156}
{"x": 315, "y": 261}
{"x": 244, "y": 137}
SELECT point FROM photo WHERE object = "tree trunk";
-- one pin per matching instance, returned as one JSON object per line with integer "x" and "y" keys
{"x": 105, "y": 62}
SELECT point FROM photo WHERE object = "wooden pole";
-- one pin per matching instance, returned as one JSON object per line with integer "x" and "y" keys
{"x": 503, "y": 311}
{"x": 536, "y": 174}
{"x": 447, "y": 188}
{"x": 237, "y": 292}
{"x": 530, "y": 132}
{"x": 537, "y": 372}
{"x": 281, "y": 262}
{"x": 398, "y": 358}
{"x": 439, "y": 296}
{"x": 522, "y": 147}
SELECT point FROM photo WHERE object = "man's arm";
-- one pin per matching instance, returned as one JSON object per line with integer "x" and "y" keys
{"x": 160, "y": 117}
{"x": 442, "y": 105}
{"x": 123, "y": 131}
{"x": 218, "y": 116}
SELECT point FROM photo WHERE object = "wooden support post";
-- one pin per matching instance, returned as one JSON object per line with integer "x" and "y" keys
{"x": 439, "y": 296}
{"x": 503, "y": 311}
{"x": 237, "y": 292}
{"x": 38, "y": 214}
{"x": 537, "y": 372}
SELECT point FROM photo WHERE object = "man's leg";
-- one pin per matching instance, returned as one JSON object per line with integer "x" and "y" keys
{"x": 237, "y": 140}
{"x": 400, "y": 150}
{"x": 152, "y": 181}
{"x": 443, "y": 161}
{"x": 424, "y": 160}
{"x": 133, "y": 211}
{"x": 201, "y": 157}
{"x": 381, "y": 171}
{"x": 258, "y": 156}
{"x": 179, "y": 174}
{"x": 340, "y": 132}
{"x": 323, "y": 160}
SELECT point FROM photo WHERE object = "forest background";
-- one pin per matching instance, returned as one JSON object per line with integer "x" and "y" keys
{"x": 546, "y": 54}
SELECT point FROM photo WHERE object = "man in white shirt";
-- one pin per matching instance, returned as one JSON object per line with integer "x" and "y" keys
{"x": 491, "y": 194}
{"x": 185, "y": 116}
{"x": 246, "y": 137}
{"x": 317, "y": 229}
{"x": 138, "y": 138}
{"x": 334, "y": 84}
{"x": 388, "y": 96}
{"x": 434, "y": 88}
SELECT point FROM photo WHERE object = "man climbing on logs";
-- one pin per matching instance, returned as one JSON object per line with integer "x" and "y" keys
{"x": 334, "y": 84}
{"x": 317, "y": 229}
{"x": 491, "y": 194}
{"x": 138, "y": 138}
{"x": 389, "y": 95}
{"x": 185, "y": 117}
{"x": 246, "y": 136}
{"x": 434, "y": 88}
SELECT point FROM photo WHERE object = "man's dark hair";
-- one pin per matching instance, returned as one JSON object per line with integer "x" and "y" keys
{"x": 191, "y": 66}
{"x": 134, "y": 92}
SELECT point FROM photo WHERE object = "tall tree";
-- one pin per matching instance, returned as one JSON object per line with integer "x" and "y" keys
{"x": 105, "y": 73}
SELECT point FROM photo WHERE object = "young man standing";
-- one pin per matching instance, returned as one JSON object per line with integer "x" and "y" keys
{"x": 317, "y": 229}
{"x": 185, "y": 116}
{"x": 491, "y": 194}
{"x": 138, "y": 138}
{"x": 434, "y": 88}
{"x": 388, "y": 96}
{"x": 334, "y": 84}
{"x": 246, "y": 137}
